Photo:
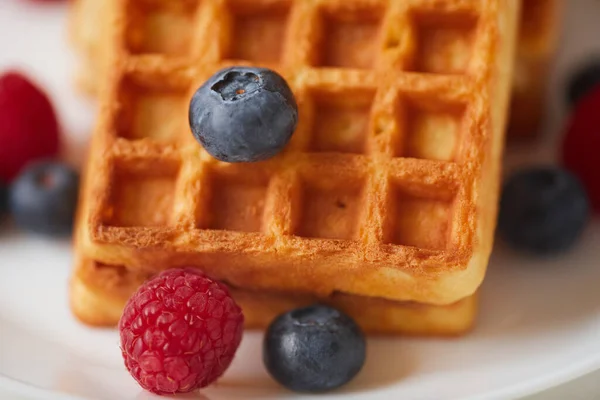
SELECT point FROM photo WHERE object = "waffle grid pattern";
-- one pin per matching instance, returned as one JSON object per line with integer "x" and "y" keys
{"x": 366, "y": 196}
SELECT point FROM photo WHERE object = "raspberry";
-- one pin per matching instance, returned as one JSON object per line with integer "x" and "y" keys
{"x": 28, "y": 125}
{"x": 179, "y": 332}
{"x": 581, "y": 144}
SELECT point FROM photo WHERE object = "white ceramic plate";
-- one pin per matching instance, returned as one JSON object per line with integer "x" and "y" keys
{"x": 539, "y": 323}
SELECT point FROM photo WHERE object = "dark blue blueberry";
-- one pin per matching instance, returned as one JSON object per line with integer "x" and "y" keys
{"x": 543, "y": 210}
{"x": 314, "y": 349}
{"x": 44, "y": 197}
{"x": 243, "y": 114}
{"x": 583, "y": 81}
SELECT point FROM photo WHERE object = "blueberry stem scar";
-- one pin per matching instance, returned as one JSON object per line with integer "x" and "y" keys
{"x": 235, "y": 84}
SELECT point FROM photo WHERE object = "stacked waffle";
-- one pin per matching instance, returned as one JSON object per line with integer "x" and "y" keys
{"x": 384, "y": 202}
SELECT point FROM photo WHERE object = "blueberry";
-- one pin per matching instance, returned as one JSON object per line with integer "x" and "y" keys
{"x": 583, "y": 81}
{"x": 543, "y": 210}
{"x": 44, "y": 197}
{"x": 243, "y": 114}
{"x": 313, "y": 349}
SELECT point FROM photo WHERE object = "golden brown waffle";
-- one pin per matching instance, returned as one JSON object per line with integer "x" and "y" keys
{"x": 99, "y": 292}
{"x": 387, "y": 189}
{"x": 538, "y": 37}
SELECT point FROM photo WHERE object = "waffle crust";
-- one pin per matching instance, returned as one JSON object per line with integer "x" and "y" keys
{"x": 99, "y": 292}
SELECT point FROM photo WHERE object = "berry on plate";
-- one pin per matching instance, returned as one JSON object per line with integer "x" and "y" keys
{"x": 28, "y": 125}
{"x": 243, "y": 114}
{"x": 314, "y": 349}
{"x": 543, "y": 210}
{"x": 581, "y": 143}
{"x": 179, "y": 332}
{"x": 43, "y": 198}
{"x": 583, "y": 81}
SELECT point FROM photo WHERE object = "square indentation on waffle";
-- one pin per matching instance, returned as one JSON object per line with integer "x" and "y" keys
{"x": 445, "y": 41}
{"x": 430, "y": 128}
{"x": 420, "y": 215}
{"x": 348, "y": 35}
{"x": 257, "y": 30}
{"x": 151, "y": 108}
{"x": 341, "y": 122}
{"x": 235, "y": 199}
{"x": 330, "y": 206}
{"x": 141, "y": 194}
{"x": 160, "y": 26}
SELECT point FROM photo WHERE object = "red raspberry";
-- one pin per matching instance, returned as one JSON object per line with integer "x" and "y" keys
{"x": 179, "y": 332}
{"x": 581, "y": 145}
{"x": 28, "y": 125}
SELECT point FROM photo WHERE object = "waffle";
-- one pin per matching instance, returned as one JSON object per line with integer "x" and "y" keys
{"x": 538, "y": 34}
{"x": 389, "y": 186}
{"x": 99, "y": 292}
